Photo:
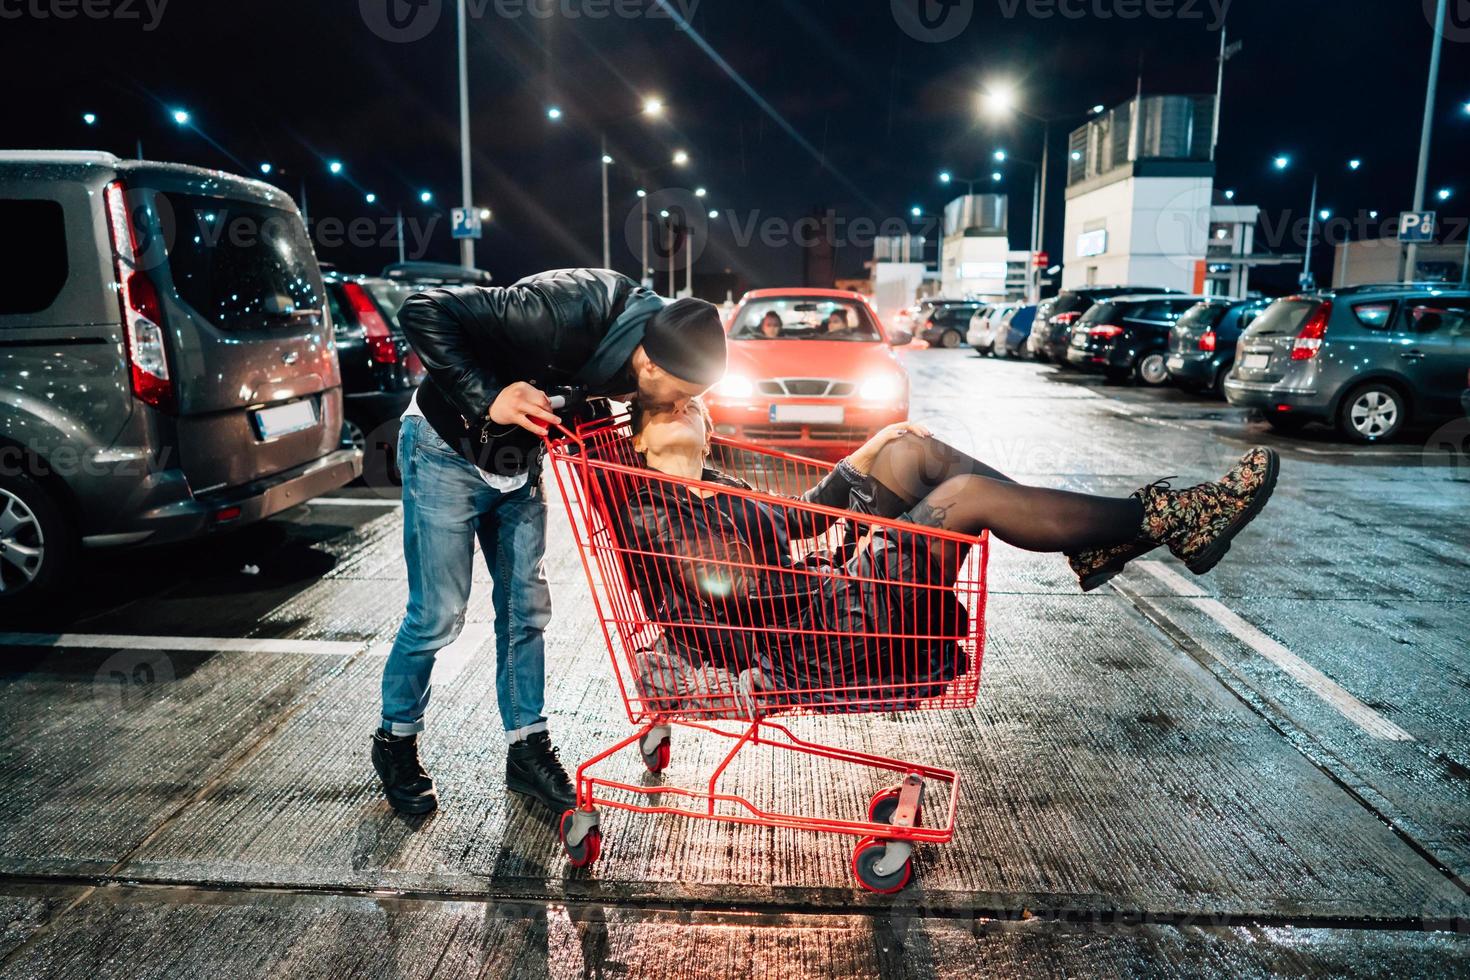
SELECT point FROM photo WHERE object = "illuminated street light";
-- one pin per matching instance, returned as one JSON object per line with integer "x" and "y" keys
{"x": 266, "y": 168}
{"x": 1373, "y": 215}
{"x": 713, "y": 213}
{"x": 916, "y": 211}
{"x": 1230, "y": 195}
{"x": 553, "y": 113}
{"x": 999, "y": 99}
{"x": 371, "y": 198}
{"x": 1076, "y": 154}
{"x": 181, "y": 117}
{"x": 1354, "y": 163}
{"x": 1324, "y": 214}
{"x": 700, "y": 192}
{"x": 995, "y": 176}
{"x": 1281, "y": 163}
{"x": 1443, "y": 193}
{"x": 334, "y": 167}
{"x": 1098, "y": 109}
{"x": 425, "y": 197}
{"x": 653, "y": 107}
{"x": 680, "y": 158}
{"x": 485, "y": 214}
{"x": 606, "y": 158}
{"x": 90, "y": 118}
{"x": 945, "y": 176}
{"x": 1000, "y": 156}
{"x": 664, "y": 213}
{"x": 642, "y": 192}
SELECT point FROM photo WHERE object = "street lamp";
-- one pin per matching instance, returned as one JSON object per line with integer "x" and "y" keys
{"x": 180, "y": 117}
{"x": 425, "y": 197}
{"x": 90, "y": 118}
{"x": 553, "y": 113}
{"x": 999, "y": 98}
{"x": 700, "y": 192}
{"x": 1230, "y": 195}
{"x": 1354, "y": 163}
{"x": 1443, "y": 193}
{"x": 995, "y": 176}
{"x": 1000, "y": 156}
{"x": 1281, "y": 163}
{"x": 371, "y": 198}
{"x": 916, "y": 211}
{"x": 485, "y": 214}
{"x": 266, "y": 168}
{"x": 334, "y": 167}
{"x": 653, "y": 106}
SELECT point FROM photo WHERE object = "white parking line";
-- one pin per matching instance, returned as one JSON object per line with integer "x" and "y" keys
{"x": 207, "y": 644}
{"x": 1302, "y": 672}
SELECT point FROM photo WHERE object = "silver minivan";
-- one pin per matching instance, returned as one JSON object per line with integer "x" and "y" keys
{"x": 166, "y": 360}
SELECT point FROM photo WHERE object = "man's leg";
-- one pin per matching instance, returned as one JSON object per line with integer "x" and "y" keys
{"x": 442, "y": 495}
{"x": 513, "y": 540}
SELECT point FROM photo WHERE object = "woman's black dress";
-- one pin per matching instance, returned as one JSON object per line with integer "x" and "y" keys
{"x": 856, "y": 628}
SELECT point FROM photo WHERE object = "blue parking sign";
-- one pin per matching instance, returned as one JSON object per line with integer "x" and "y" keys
{"x": 464, "y": 223}
{"x": 1416, "y": 226}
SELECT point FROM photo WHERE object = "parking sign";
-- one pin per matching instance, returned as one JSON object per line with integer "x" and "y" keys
{"x": 1416, "y": 226}
{"x": 464, "y": 222}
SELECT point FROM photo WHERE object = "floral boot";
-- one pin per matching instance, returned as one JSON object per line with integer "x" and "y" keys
{"x": 1198, "y": 523}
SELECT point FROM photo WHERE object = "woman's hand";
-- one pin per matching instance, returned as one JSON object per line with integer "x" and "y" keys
{"x": 862, "y": 460}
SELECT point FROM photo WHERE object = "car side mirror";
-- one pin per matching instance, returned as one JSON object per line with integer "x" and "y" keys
{"x": 898, "y": 338}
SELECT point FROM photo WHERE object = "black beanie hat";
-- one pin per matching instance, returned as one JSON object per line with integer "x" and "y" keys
{"x": 686, "y": 339}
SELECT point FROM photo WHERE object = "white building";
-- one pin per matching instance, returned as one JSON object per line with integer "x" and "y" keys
{"x": 976, "y": 260}
{"x": 1142, "y": 207}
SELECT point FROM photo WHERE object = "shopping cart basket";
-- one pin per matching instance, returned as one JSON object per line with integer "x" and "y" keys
{"x": 729, "y": 604}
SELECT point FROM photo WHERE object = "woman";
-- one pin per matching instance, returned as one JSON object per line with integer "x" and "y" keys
{"x": 716, "y": 570}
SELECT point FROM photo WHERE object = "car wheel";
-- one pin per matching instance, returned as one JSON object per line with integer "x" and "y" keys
{"x": 1152, "y": 369}
{"x": 37, "y": 542}
{"x": 1286, "y": 422}
{"x": 1217, "y": 386}
{"x": 950, "y": 339}
{"x": 1372, "y": 413}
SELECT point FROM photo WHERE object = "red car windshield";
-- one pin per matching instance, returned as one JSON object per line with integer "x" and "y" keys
{"x": 805, "y": 318}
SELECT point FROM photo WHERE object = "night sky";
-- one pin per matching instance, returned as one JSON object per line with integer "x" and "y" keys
{"x": 875, "y": 113}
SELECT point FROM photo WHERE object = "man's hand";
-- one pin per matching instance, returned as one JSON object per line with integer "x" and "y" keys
{"x": 862, "y": 460}
{"x": 525, "y": 405}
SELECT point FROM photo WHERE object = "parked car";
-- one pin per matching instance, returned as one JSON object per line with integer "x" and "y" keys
{"x": 168, "y": 368}
{"x": 1127, "y": 337}
{"x": 1365, "y": 358}
{"x": 1052, "y": 332}
{"x": 983, "y": 324}
{"x": 945, "y": 322}
{"x": 1202, "y": 344}
{"x": 807, "y": 388}
{"x": 380, "y": 372}
{"x": 1014, "y": 332}
{"x": 428, "y": 274}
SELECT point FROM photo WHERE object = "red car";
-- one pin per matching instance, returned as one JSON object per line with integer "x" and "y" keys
{"x": 811, "y": 371}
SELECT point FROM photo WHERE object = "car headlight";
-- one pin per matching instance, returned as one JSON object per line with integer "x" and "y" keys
{"x": 880, "y": 388}
{"x": 734, "y": 386}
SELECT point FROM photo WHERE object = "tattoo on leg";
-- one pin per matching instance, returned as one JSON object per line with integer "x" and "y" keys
{"x": 930, "y": 514}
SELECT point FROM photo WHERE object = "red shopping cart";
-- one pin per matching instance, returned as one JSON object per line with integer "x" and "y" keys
{"x": 729, "y": 602}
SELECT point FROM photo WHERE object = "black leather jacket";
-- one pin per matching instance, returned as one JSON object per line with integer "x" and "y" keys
{"x": 475, "y": 340}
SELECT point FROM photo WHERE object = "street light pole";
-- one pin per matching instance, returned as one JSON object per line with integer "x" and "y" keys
{"x": 400, "y": 235}
{"x": 606, "y": 234}
{"x": 1411, "y": 258}
{"x": 643, "y": 257}
{"x": 1311, "y": 217}
{"x": 466, "y": 245}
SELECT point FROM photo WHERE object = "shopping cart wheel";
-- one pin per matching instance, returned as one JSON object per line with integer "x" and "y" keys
{"x": 584, "y": 852}
{"x": 885, "y": 802}
{"x": 878, "y": 870}
{"x": 658, "y": 759}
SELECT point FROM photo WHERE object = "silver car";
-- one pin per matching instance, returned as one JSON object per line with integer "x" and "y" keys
{"x": 168, "y": 368}
{"x": 1365, "y": 358}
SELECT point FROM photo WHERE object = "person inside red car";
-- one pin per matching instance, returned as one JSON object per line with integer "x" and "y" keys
{"x": 771, "y": 327}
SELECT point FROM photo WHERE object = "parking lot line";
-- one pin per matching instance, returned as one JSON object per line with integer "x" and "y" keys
{"x": 208, "y": 644}
{"x": 1302, "y": 672}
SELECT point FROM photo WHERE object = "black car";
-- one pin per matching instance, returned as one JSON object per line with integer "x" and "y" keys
{"x": 946, "y": 322}
{"x": 426, "y": 275}
{"x": 1052, "y": 331}
{"x": 1128, "y": 336}
{"x": 1202, "y": 345}
{"x": 379, "y": 370}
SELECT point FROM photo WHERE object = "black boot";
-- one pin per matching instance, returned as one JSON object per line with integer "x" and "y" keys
{"x": 533, "y": 769}
{"x": 407, "y": 786}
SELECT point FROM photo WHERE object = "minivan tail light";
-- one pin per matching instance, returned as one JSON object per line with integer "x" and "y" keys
{"x": 1064, "y": 319}
{"x": 1309, "y": 339}
{"x": 1208, "y": 341}
{"x": 1106, "y": 331}
{"x": 380, "y": 345}
{"x": 142, "y": 313}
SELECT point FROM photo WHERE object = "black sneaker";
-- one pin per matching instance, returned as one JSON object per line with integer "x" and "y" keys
{"x": 407, "y": 786}
{"x": 533, "y": 769}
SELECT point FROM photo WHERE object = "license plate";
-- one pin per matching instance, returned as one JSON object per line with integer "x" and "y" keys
{"x": 1255, "y": 362}
{"x": 814, "y": 414}
{"x": 282, "y": 420}
{"x": 1079, "y": 340}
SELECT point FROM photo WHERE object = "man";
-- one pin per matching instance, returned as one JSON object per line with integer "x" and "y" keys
{"x": 470, "y": 455}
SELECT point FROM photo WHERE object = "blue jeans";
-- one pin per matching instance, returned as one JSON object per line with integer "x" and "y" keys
{"x": 446, "y": 504}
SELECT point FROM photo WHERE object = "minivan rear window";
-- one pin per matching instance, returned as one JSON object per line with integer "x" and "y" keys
{"x": 34, "y": 274}
{"x": 229, "y": 259}
{"x": 1285, "y": 316}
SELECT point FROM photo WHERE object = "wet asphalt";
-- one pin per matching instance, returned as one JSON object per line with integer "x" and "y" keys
{"x": 1264, "y": 771}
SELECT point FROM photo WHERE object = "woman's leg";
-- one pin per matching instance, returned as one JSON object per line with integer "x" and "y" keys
{"x": 939, "y": 486}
